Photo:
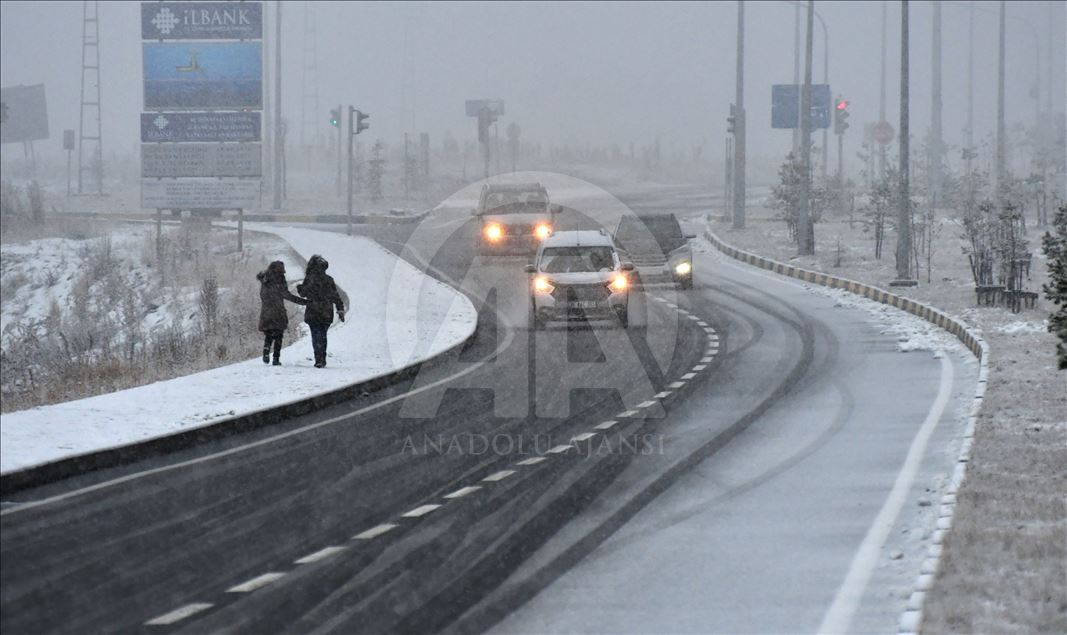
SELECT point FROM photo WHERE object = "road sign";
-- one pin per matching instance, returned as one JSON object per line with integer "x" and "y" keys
{"x": 200, "y": 126}
{"x": 475, "y": 106}
{"x": 785, "y": 104}
{"x": 25, "y": 114}
{"x": 883, "y": 132}
{"x": 203, "y": 75}
{"x": 201, "y": 194}
{"x": 201, "y": 20}
{"x": 201, "y": 159}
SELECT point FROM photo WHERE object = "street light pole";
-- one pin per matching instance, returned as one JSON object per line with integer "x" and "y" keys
{"x": 881, "y": 99}
{"x": 1000, "y": 107}
{"x": 904, "y": 212}
{"x": 739, "y": 124}
{"x": 278, "y": 140}
{"x": 805, "y": 233}
{"x": 934, "y": 156}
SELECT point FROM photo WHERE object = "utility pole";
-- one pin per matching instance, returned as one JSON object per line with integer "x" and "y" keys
{"x": 969, "y": 153}
{"x": 1000, "y": 109}
{"x": 728, "y": 167}
{"x": 796, "y": 67}
{"x": 935, "y": 155}
{"x": 881, "y": 99}
{"x": 278, "y": 137}
{"x": 739, "y": 125}
{"x": 904, "y": 212}
{"x": 805, "y": 231}
{"x": 351, "y": 136}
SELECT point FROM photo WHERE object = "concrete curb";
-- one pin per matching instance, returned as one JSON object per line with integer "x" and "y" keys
{"x": 911, "y": 619}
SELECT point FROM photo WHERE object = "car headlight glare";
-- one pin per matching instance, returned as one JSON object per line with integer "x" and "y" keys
{"x": 494, "y": 232}
{"x": 542, "y": 231}
{"x": 683, "y": 268}
{"x": 619, "y": 283}
{"x": 542, "y": 285}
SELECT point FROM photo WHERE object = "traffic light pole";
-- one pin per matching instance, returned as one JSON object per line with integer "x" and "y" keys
{"x": 339, "y": 161}
{"x": 805, "y": 233}
{"x": 351, "y": 134}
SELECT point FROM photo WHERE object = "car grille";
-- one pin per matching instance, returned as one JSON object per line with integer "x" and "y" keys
{"x": 518, "y": 230}
{"x": 581, "y": 292}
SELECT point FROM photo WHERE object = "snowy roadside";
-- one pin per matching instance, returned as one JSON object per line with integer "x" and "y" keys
{"x": 397, "y": 317}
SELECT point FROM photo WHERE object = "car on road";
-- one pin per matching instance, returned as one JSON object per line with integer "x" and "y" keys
{"x": 579, "y": 275}
{"x": 515, "y": 218}
{"x": 659, "y": 249}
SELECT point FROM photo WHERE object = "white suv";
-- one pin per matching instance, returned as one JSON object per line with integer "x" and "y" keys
{"x": 578, "y": 275}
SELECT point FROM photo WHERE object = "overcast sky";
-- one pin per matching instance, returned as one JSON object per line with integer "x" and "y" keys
{"x": 568, "y": 72}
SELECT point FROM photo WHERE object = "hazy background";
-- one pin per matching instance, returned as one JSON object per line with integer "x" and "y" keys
{"x": 574, "y": 73}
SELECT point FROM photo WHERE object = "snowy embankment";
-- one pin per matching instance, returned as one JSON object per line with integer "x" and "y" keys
{"x": 397, "y": 316}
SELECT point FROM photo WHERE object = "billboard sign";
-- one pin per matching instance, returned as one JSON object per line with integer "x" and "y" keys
{"x": 203, "y": 75}
{"x": 25, "y": 114}
{"x": 200, "y": 126}
{"x": 785, "y": 104}
{"x": 201, "y": 159}
{"x": 201, "y": 20}
{"x": 201, "y": 194}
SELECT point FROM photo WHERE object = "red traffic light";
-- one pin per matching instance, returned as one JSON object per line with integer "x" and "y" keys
{"x": 841, "y": 105}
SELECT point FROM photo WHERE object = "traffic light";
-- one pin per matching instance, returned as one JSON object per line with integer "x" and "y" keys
{"x": 840, "y": 116}
{"x": 360, "y": 126}
{"x": 335, "y": 117}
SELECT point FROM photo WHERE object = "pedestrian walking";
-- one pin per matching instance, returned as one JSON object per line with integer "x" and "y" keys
{"x": 273, "y": 292}
{"x": 322, "y": 296}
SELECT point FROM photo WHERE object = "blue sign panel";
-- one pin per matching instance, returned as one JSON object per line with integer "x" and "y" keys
{"x": 785, "y": 104}
{"x": 201, "y": 20}
{"x": 203, "y": 75}
{"x": 200, "y": 126}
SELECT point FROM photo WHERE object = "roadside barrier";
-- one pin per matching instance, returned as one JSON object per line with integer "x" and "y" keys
{"x": 911, "y": 619}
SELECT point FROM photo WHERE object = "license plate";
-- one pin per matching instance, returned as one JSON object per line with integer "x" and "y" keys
{"x": 586, "y": 304}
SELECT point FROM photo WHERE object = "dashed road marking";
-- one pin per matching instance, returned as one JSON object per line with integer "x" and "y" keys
{"x": 420, "y": 511}
{"x": 693, "y": 317}
{"x": 560, "y": 449}
{"x": 689, "y": 375}
{"x": 319, "y": 555}
{"x": 463, "y": 491}
{"x": 498, "y": 476}
{"x": 256, "y": 582}
{"x": 532, "y": 460}
{"x": 375, "y": 531}
{"x": 702, "y": 323}
{"x": 179, "y": 614}
{"x": 626, "y": 413}
{"x": 705, "y": 360}
{"x": 676, "y": 384}
{"x": 585, "y": 436}
{"x": 605, "y": 425}
{"x": 647, "y": 404}
{"x": 700, "y": 367}
{"x": 663, "y": 394}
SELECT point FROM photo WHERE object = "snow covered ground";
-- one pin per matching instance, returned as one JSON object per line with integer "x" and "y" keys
{"x": 397, "y": 316}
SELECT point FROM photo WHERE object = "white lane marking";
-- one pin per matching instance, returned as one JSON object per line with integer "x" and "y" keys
{"x": 179, "y": 614}
{"x": 560, "y": 449}
{"x": 532, "y": 460}
{"x": 647, "y": 404}
{"x": 673, "y": 305}
{"x": 463, "y": 491}
{"x": 375, "y": 531}
{"x": 420, "y": 511}
{"x": 702, "y": 323}
{"x": 658, "y": 299}
{"x": 663, "y": 394}
{"x": 689, "y": 375}
{"x": 676, "y": 384}
{"x": 626, "y": 413}
{"x": 700, "y": 367}
{"x": 585, "y": 436}
{"x": 256, "y": 582}
{"x": 709, "y": 330}
{"x": 839, "y": 616}
{"x": 319, "y": 555}
{"x": 693, "y": 317}
{"x": 705, "y": 360}
{"x": 499, "y": 476}
{"x": 605, "y": 425}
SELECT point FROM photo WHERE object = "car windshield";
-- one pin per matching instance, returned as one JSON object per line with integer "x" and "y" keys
{"x": 577, "y": 259}
{"x": 515, "y": 202}
{"x": 663, "y": 229}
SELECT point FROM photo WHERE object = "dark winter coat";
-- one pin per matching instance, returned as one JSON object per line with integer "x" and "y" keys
{"x": 320, "y": 291}
{"x": 273, "y": 292}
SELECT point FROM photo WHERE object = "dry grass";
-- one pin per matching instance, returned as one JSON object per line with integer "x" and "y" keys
{"x": 1004, "y": 568}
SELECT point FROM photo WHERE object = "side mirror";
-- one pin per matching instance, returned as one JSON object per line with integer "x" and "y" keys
{"x": 627, "y": 266}
{"x": 690, "y": 236}
{"x": 555, "y": 209}
{"x": 530, "y": 269}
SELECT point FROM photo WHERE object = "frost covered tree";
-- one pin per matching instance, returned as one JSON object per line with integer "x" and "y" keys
{"x": 785, "y": 196}
{"x": 1054, "y": 244}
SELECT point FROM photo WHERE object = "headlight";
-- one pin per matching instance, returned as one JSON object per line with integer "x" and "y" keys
{"x": 619, "y": 283}
{"x": 683, "y": 268}
{"x": 542, "y": 231}
{"x": 494, "y": 232}
{"x": 542, "y": 285}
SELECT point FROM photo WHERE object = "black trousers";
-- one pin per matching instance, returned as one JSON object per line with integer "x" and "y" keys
{"x": 273, "y": 336}
{"x": 318, "y": 339}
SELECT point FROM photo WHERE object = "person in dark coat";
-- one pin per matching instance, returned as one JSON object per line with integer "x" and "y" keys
{"x": 273, "y": 292}
{"x": 322, "y": 296}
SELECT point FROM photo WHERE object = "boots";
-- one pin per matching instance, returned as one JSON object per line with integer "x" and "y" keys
{"x": 277, "y": 361}
{"x": 320, "y": 361}
{"x": 266, "y": 354}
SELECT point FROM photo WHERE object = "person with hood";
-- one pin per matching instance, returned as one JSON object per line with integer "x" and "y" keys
{"x": 322, "y": 296}
{"x": 273, "y": 292}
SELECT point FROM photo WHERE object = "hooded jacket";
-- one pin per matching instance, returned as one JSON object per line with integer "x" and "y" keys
{"x": 320, "y": 291}
{"x": 273, "y": 292}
